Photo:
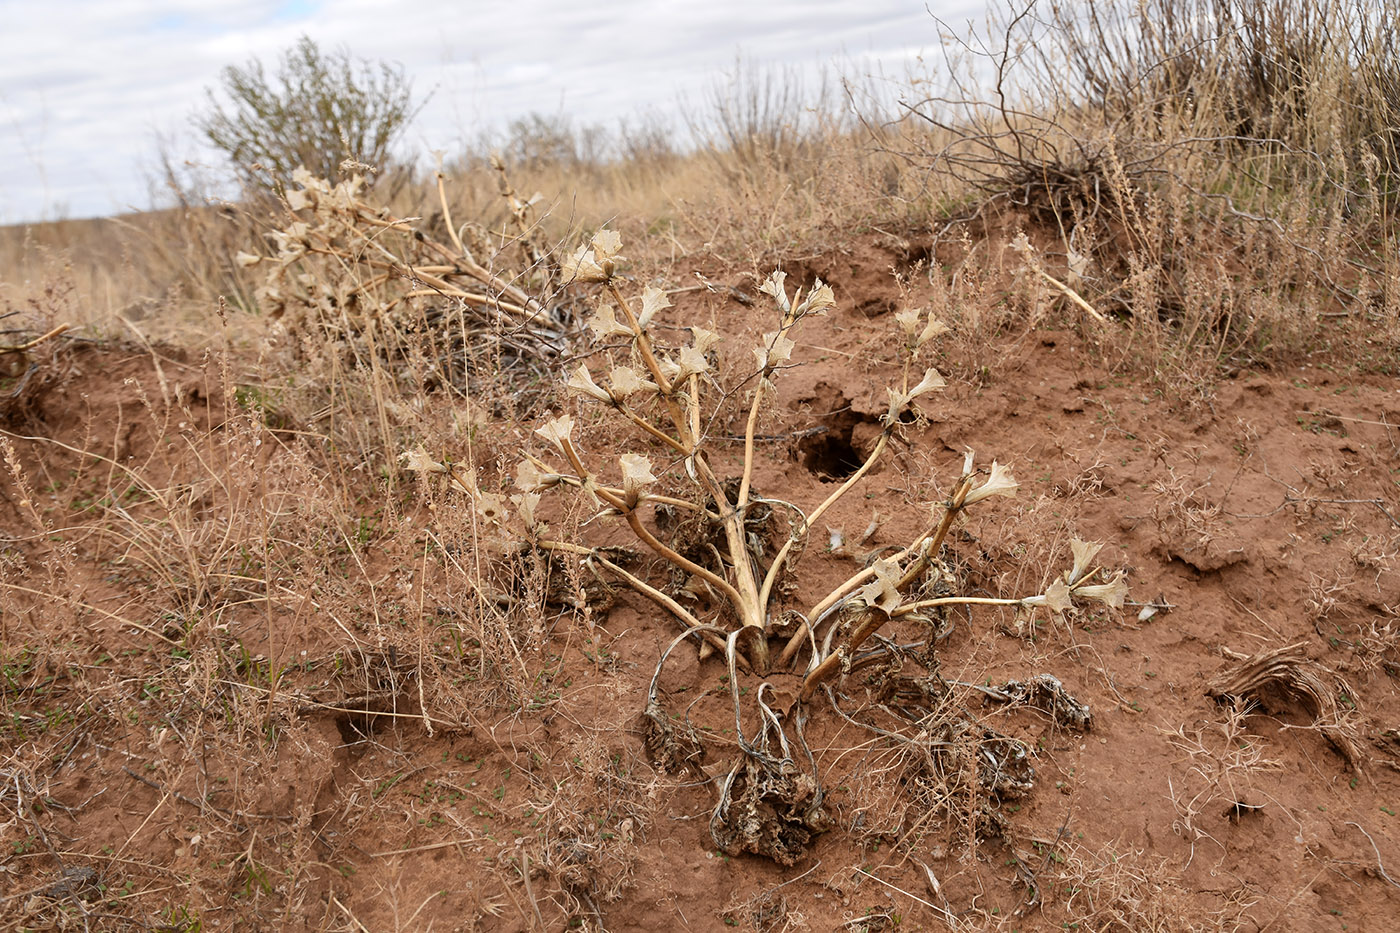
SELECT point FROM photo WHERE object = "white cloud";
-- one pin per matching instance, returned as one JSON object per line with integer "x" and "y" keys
{"x": 85, "y": 86}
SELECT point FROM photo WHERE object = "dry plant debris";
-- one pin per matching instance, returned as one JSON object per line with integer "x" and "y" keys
{"x": 1287, "y": 674}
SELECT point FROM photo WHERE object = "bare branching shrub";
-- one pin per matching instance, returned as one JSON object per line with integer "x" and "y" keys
{"x": 319, "y": 111}
{"x": 1217, "y": 174}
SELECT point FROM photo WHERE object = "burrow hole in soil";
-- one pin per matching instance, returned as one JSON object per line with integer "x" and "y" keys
{"x": 830, "y": 455}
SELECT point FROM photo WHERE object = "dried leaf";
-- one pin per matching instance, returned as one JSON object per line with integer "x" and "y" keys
{"x": 932, "y": 380}
{"x": 774, "y": 286}
{"x": 704, "y": 339}
{"x": 1084, "y": 553}
{"x": 776, "y": 349}
{"x": 999, "y": 483}
{"x": 417, "y": 460}
{"x": 626, "y": 382}
{"x": 691, "y": 360}
{"x": 1113, "y": 594}
{"x": 582, "y": 383}
{"x": 653, "y": 300}
{"x": 819, "y": 299}
{"x": 636, "y": 476}
{"x": 908, "y": 320}
{"x": 607, "y": 243}
{"x": 525, "y": 504}
{"x": 605, "y": 324}
{"x": 882, "y": 592}
{"x": 531, "y": 478}
{"x": 934, "y": 328}
{"x": 557, "y": 430}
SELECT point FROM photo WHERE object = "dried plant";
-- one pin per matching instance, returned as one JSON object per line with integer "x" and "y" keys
{"x": 378, "y": 286}
{"x": 735, "y": 564}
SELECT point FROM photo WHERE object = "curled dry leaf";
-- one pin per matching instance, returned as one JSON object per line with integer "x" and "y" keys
{"x": 819, "y": 299}
{"x": 882, "y": 592}
{"x": 1057, "y": 597}
{"x": 605, "y": 324}
{"x": 525, "y": 505}
{"x": 934, "y": 328}
{"x": 773, "y": 286}
{"x": 582, "y": 383}
{"x": 531, "y": 478}
{"x": 653, "y": 300}
{"x": 626, "y": 382}
{"x": 704, "y": 339}
{"x": 691, "y": 361}
{"x": 999, "y": 483}
{"x": 582, "y": 265}
{"x": 607, "y": 244}
{"x": 776, "y": 349}
{"x": 1113, "y": 594}
{"x": 932, "y": 380}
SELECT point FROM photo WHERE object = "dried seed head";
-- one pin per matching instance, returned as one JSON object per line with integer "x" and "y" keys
{"x": 669, "y": 368}
{"x": 1056, "y": 598}
{"x": 247, "y": 259}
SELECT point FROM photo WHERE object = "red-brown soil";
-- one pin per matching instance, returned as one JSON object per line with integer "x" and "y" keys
{"x": 381, "y": 781}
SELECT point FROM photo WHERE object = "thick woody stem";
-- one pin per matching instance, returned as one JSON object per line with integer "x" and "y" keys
{"x": 875, "y": 618}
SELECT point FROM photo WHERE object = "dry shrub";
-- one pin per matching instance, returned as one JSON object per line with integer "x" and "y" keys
{"x": 594, "y": 815}
{"x": 1221, "y": 765}
{"x": 1220, "y": 175}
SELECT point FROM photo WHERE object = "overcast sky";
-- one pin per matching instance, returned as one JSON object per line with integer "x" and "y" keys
{"x": 86, "y": 85}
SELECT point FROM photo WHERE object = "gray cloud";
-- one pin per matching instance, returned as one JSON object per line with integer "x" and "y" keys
{"x": 85, "y": 86}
